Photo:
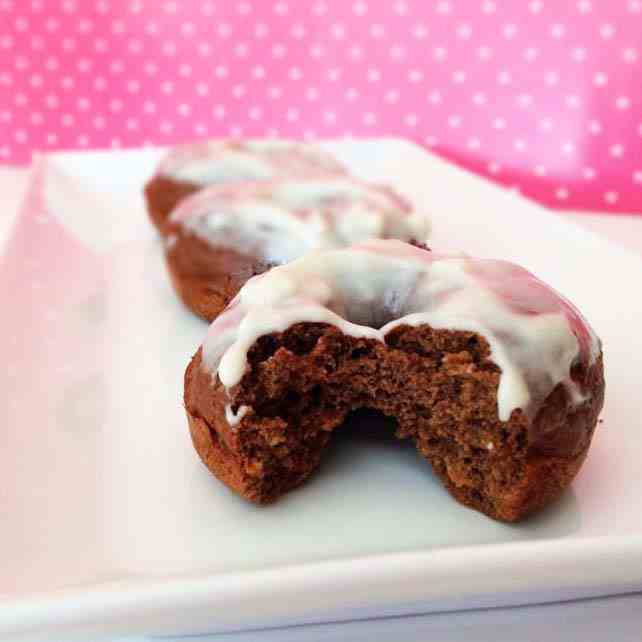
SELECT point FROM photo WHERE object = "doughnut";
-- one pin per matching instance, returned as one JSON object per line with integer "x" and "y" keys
{"x": 188, "y": 168}
{"x": 495, "y": 377}
{"x": 220, "y": 236}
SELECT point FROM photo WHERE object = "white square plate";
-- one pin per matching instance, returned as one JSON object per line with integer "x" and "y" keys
{"x": 111, "y": 523}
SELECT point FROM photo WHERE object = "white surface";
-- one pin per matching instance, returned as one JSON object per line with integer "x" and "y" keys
{"x": 126, "y": 530}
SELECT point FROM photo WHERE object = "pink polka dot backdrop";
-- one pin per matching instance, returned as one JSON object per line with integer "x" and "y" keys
{"x": 541, "y": 95}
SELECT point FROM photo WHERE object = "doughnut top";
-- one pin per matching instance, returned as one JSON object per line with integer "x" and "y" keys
{"x": 535, "y": 335}
{"x": 281, "y": 221}
{"x": 230, "y": 161}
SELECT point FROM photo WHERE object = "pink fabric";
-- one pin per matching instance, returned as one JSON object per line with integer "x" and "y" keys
{"x": 543, "y": 95}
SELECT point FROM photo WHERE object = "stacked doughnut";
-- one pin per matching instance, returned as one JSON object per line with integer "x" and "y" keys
{"x": 229, "y": 210}
{"x": 494, "y": 376}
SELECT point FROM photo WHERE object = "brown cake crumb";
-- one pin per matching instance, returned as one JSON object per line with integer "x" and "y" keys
{"x": 439, "y": 386}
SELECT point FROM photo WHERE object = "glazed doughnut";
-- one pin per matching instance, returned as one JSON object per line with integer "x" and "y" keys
{"x": 188, "y": 168}
{"x": 222, "y": 235}
{"x": 495, "y": 377}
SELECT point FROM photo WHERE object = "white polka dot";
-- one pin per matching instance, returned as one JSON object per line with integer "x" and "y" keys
{"x": 329, "y": 116}
{"x": 52, "y": 101}
{"x": 275, "y": 93}
{"x": 133, "y": 86}
{"x": 261, "y": 30}
{"x": 185, "y": 70}
{"x": 400, "y": 7}
{"x": 351, "y": 94}
{"x": 579, "y": 54}
{"x": 622, "y": 102}
{"x": 535, "y": 6}
{"x": 67, "y": 82}
{"x": 494, "y": 167}
{"x": 333, "y": 74}
{"x": 369, "y": 119}
{"x": 520, "y": 144}
{"x": 292, "y": 114}
{"x": 132, "y": 124}
{"x": 278, "y": 50}
{"x": 102, "y": 6}
{"x": 415, "y": 75}
{"x": 200, "y": 129}
{"x": 377, "y": 31}
{"x": 504, "y": 78}
{"x": 442, "y": 7}
{"x": 473, "y": 143}
{"x": 98, "y": 122}
{"x": 573, "y": 101}
{"x": 207, "y": 8}
{"x": 568, "y": 148}
{"x": 509, "y": 31}
{"x": 202, "y": 89}
{"x": 562, "y": 193}
{"x": 312, "y": 94}
{"x": 617, "y": 150}
{"x": 52, "y": 24}
{"x": 411, "y": 120}
{"x": 594, "y": 127}
{"x": 531, "y": 54}
{"x": 558, "y": 31}
{"x": 255, "y": 113}
{"x": 238, "y": 91}
{"x": 584, "y": 6}
{"x": 600, "y": 79}
{"x": 37, "y": 118}
{"x": 67, "y": 120}
{"x": 539, "y": 170}
{"x": 295, "y": 73}
{"x": 439, "y": 53}
{"x": 524, "y": 100}
{"x": 241, "y": 50}
{"x": 420, "y": 31}
{"x": 373, "y": 75}
{"x": 281, "y": 8}
{"x": 244, "y": 8}
{"x": 167, "y": 87}
{"x": 635, "y": 6}
{"x": 338, "y": 31}
{"x": 298, "y": 31}
{"x": 391, "y": 96}
{"x": 219, "y": 112}
{"x": 224, "y": 30}
{"x": 484, "y": 52}
{"x": 611, "y": 197}
{"x": 20, "y": 99}
{"x": 464, "y": 31}
{"x": 20, "y": 136}
{"x": 360, "y": 8}
{"x": 356, "y": 52}
{"x": 221, "y": 71}
{"x": 459, "y": 76}
{"x": 184, "y": 109}
{"x": 551, "y": 78}
{"x": 397, "y": 52}
{"x": 607, "y": 31}
{"x": 316, "y": 51}
{"x": 150, "y": 68}
{"x": 588, "y": 173}
{"x": 149, "y": 107}
{"x": 479, "y": 99}
{"x": 488, "y": 6}
{"x": 499, "y": 123}
{"x": 637, "y": 176}
{"x": 454, "y": 121}
{"x": 629, "y": 54}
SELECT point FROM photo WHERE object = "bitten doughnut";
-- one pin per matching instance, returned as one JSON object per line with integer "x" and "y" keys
{"x": 188, "y": 168}
{"x": 495, "y": 377}
{"x": 222, "y": 235}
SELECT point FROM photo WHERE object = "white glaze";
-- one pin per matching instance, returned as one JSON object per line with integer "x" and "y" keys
{"x": 228, "y": 161}
{"x": 282, "y": 221}
{"x": 535, "y": 336}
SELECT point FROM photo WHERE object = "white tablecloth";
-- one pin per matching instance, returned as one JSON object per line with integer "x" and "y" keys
{"x": 615, "y": 619}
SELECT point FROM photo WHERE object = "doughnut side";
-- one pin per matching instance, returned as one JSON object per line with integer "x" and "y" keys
{"x": 162, "y": 195}
{"x": 205, "y": 277}
{"x": 439, "y": 386}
